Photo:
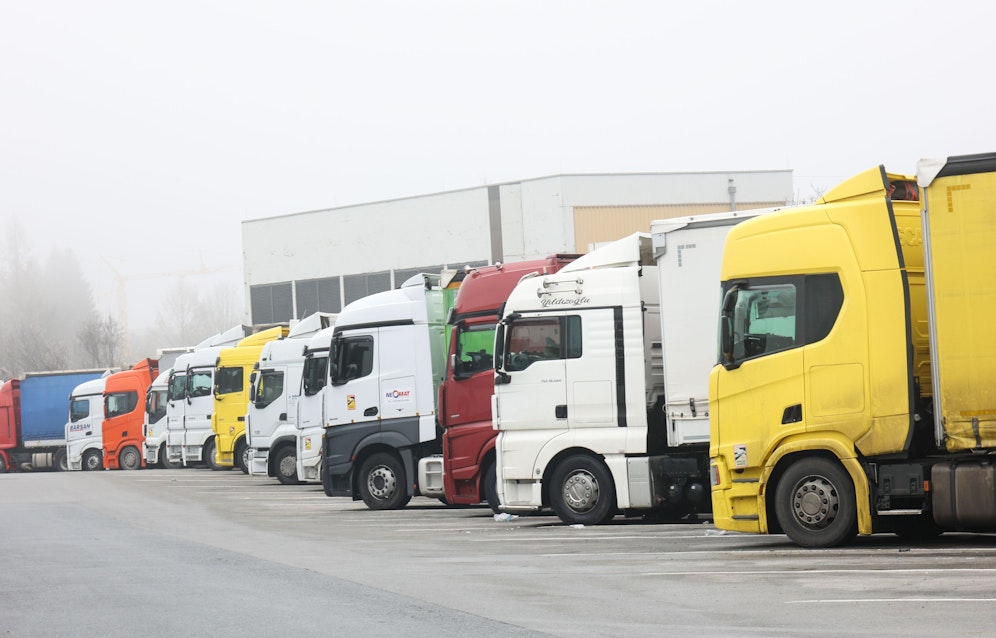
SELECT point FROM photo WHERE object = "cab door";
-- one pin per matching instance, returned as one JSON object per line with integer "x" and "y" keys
{"x": 353, "y": 395}
{"x": 531, "y": 390}
{"x": 175, "y": 410}
{"x": 761, "y": 392}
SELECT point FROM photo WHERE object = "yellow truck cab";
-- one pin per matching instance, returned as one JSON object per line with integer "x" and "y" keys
{"x": 853, "y": 393}
{"x": 231, "y": 393}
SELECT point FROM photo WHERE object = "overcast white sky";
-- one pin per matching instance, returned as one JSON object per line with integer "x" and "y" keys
{"x": 143, "y": 133}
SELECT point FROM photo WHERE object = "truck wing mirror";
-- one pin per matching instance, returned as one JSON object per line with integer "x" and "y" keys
{"x": 730, "y": 300}
{"x": 726, "y": 339}
{"x": 499, "y": 346}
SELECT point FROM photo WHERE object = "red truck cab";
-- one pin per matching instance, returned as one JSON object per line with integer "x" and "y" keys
{"x": 465, "y": 394}
{"x": 10, "y": 414}
{"x": 124, "y": 412}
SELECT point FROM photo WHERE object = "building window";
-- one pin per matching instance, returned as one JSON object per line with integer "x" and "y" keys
{"x": 317, "y": 295}
{"x": 359, "y": 286}
{"x": 271, "y": 303}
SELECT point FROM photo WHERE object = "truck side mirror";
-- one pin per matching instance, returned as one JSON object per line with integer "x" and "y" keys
{"x": 499, "y": 346}
{"x": 252, "y": 387}
{"x": 726, "y": 339}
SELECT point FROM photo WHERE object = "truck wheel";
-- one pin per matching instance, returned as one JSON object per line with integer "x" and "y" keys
{"x": 207, "y": 455}
{"x": 491, "y": 488}
{"x": 130, "y": 459}
{"x": 3, "y": 464}
{"x": 92, "y": 460}
{"x": 383, "y": 482}
{"x": 582, "y": 492}
{"x": 285, "y": 466}
{"x": 61, "y": 463}
{"x": 242, "y": 456}
{"x": 815, "y": 503}
{"x": 164, "y": 461}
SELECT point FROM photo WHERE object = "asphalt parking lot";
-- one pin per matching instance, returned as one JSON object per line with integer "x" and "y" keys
{"x": 167, "y": 552}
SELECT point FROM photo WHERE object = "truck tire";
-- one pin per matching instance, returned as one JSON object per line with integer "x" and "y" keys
{"x": 164, "y": 461}
{"x": 130, "y": 458}
{"x": 382, "y": 482}
{"x": 61, "y": 463}
{"x": 3, "y": 464}
{"x": 815, "y": 503}
{"x": 92, "y": 460}
{"x": 285, "y": 466}
{"x": 582, "y": 491}
{"x": 242, "y": 456}
{"x": 207, "y": 455}
{"x": 491, "y": 487}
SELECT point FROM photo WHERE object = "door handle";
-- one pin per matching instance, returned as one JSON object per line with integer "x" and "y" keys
{"x": 792, "y": 414}
{"x": 560, "y": 411}
{"x": 370, "y": 412}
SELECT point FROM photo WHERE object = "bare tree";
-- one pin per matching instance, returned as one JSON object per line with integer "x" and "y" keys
{"x": 101, "y": 339}
{"x": 41, "y": 309}
{"x": 187, "y": 318}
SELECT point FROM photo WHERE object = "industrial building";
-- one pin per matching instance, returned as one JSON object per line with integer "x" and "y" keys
{"x": 321, "y": 260}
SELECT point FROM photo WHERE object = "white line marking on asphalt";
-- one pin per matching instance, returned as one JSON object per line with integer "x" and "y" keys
{"x": 892, "y": 600}
{"x": 839, "y": 572}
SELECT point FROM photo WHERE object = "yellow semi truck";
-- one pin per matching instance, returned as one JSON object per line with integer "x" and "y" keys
{"x": 855, "y": 389}
{"x": 231, "y": 393}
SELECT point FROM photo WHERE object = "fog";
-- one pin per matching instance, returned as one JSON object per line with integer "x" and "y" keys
{"x": 140, "y": 135}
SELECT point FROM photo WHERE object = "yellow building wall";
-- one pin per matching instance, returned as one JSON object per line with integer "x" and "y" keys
{"x": 599, "y": 224}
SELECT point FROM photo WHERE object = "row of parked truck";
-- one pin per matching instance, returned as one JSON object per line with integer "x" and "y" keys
{"x": 853, "y": 391}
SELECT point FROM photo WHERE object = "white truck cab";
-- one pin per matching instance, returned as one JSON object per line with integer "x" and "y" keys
{"x": 190, "y": 401}
{"x": 154, "y": 425}
{"x": 387, "y": 359}
{"x": 601, "y": 389}
{"x": 311, "y": 406}
{"x": 84, "y": 434}
{"x": 271, "y": 421}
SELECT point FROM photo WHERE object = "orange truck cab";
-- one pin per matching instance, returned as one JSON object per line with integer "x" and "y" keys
{"x": 124, "y": 411}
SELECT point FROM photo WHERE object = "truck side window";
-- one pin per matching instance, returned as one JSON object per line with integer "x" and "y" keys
{"x": 155, "y": 405}
{"x": 355, "y": 358}
{"x": 542, "y": 339}
{"x": 474, "y": 349}
{"x": 229, "y": 380}
{"x": 271, "y": 386}
{"x": 118, "y": 403}
{"x": 313, "y": 378}
{"x": 177, "y": 383}
{"x": 764, "y": 320}
{"x": 199, "y": 383}
{"x": 824, "y": 298}
{"x": 79, "y": 409}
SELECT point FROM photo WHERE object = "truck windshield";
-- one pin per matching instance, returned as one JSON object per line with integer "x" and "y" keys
{"x": 118, "y": 403}
{"x": 313, "y": 378}
{"x": 474, "y": 349}
{"x": 270, "y": 386}
{"x": 79, "y": 409}
{"x": 229, "y": 380}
